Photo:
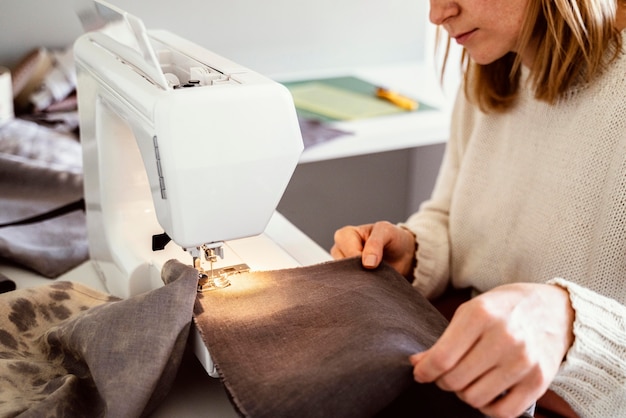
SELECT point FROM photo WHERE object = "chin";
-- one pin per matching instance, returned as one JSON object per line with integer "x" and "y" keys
{"x": 485, "y": 57}
{"x": 481, "y": 60}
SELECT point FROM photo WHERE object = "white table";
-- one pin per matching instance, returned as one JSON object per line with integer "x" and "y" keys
{"x": 418, "y": 80}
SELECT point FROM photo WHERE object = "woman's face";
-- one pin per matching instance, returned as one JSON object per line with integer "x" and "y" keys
{"x": 487, "y": 29}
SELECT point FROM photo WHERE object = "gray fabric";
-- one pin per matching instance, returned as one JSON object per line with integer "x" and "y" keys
{"x": 330, "y": 340}
{"x": 40, "y": 170}
{"x": 69, "y": 351}
{"x": 316, "y": 132}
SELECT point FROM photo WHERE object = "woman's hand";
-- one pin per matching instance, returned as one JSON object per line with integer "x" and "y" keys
{"x": 501, "y": 349}
{"x": 375, "y": 243}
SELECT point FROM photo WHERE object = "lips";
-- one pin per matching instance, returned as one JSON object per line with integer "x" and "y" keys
{"x": 463, "y": 37}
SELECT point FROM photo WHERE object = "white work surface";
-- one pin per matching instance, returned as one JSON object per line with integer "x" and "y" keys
{"x": 418, "y": 80}
{"x": 195, "y": 393}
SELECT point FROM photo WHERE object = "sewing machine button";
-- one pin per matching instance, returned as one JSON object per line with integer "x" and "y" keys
{"x": 221, "y": 81}
{"x": 172, "y": 80}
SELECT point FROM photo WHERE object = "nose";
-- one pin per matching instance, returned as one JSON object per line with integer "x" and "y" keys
{"x": 441, "y": 10}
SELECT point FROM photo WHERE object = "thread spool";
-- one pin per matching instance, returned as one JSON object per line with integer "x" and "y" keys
{"x": 6, "y": 96}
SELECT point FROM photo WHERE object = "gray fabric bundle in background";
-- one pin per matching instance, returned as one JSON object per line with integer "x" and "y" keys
{"x": 40, "y": 170}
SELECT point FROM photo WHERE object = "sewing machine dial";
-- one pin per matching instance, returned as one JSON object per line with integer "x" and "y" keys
{"x": 199, "y": 77}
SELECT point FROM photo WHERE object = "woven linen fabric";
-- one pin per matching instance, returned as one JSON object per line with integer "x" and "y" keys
{"x": 329, "y": 340}
{"x": 67, "y": 350}
{"x": 41, "y": 170}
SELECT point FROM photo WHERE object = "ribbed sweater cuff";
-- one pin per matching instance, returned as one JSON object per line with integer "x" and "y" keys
{"x": 428, "y": 268}
{"x": 592, "y": 378}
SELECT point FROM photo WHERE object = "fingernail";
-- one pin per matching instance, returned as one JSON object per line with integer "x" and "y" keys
{"x": 370, "y": 261}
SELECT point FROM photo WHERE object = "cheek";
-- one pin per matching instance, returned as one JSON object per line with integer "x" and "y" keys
{"x": 505, "y": 37}
{"x": 488, "y": 48}
{"x": 509, "y": 17}
{"x": 513, "y": 21}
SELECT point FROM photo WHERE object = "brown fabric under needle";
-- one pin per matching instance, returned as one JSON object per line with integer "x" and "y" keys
{"x": 331, "y": 339}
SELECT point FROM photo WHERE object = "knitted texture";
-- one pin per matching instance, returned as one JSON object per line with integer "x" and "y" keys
{"x": 593, "y": 378}
{"x": 536, "y": 193}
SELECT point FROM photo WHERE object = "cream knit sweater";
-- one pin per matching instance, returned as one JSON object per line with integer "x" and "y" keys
{"x": 538, "y": 194}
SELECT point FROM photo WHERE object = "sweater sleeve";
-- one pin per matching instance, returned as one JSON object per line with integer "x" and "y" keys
{"x": 430, "y": 223}
{"x": 592, "y": 379}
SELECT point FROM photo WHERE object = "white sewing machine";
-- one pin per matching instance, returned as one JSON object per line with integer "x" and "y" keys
{"x": 175, "y": 139}
{"x": 178, "y": 140}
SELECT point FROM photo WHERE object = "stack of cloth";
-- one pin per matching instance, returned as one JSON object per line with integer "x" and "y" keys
{"x": 41, "y": 168}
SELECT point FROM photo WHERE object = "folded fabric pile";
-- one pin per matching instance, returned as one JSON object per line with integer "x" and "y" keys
{"x": 41, "y": 167}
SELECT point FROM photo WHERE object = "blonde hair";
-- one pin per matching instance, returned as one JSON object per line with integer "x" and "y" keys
{"x": 571, "y": 38}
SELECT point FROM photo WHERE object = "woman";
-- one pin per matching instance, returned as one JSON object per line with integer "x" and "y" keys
{"x": 529, "y": 210}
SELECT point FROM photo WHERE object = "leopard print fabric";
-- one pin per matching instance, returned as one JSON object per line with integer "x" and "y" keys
{"x": 32, "y": 367}
{"x": 67, "y": 350}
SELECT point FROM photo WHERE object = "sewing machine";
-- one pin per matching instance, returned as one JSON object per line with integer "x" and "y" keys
{"x": 179, "y": 143}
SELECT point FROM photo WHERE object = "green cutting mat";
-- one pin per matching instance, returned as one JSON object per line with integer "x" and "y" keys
{"x": 341, "y": 98}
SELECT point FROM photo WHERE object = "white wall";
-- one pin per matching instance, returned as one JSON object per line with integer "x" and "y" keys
{"x": 269, "y": 36}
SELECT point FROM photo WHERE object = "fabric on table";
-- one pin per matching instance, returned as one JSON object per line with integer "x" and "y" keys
{"x": 41, "y": 170}
{"x": 316, "y": 132}
{"x": 329, "y": 340}
{"x": 67, "y": 350}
